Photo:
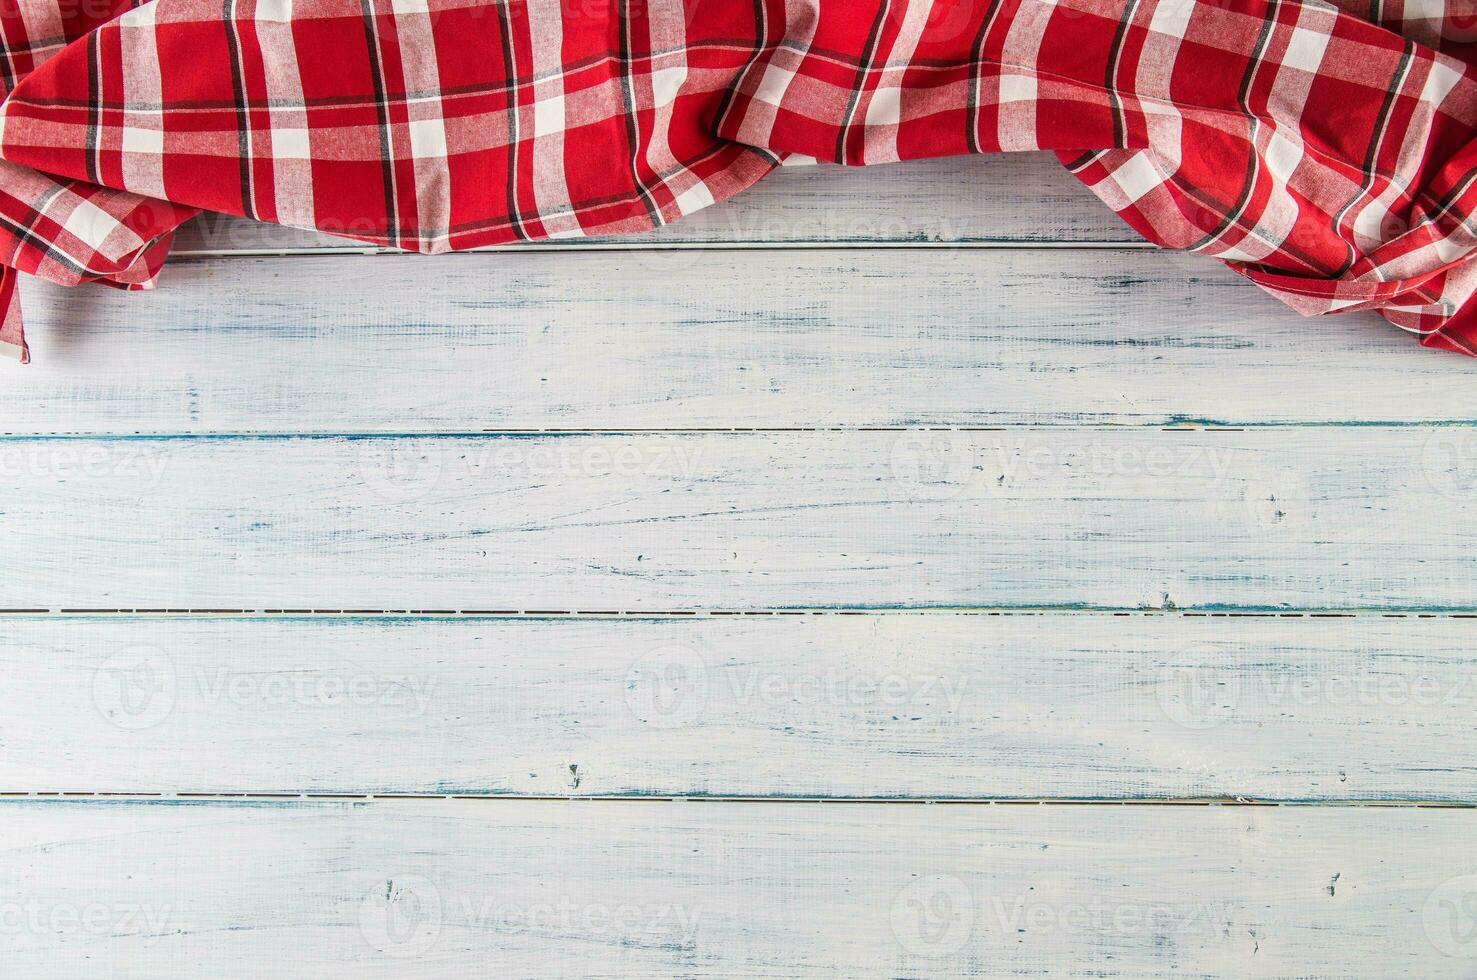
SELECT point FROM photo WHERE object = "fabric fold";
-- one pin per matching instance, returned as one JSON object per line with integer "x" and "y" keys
{"x": 67, "y": 231}
{"x": 1328, "y": 155}
{"x": 414, "y": 124}
{"x": 1321, "y": 156}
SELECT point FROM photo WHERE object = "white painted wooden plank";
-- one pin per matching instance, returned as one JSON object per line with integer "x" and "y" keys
{"x": 456, "y": 888}
{"x": 707, "y": 339}
{"x": 936, "y": 706}
{"x": 1010, "y": 199}
{"x": 1299, "y": 517}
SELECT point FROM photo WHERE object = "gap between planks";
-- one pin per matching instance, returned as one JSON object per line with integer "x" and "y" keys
{"x": 508, "y": 798}
{"x": 537, "y": 614}
{"x": 1198, "y": 425}
{"x": 313, "y": 251}
{"x": 690, "y": 431}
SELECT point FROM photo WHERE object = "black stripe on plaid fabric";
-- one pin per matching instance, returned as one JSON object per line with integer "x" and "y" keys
{"x": 628, "y": 103}
{"x": 761, "y": 42}
{"x": 863, "y": 69}
{"x": 382, "y": 113}
{"x": 8, "y": 70}
{"x": 26, "y": 233}
{"x": 510, "y": 66}
{"x": 1448, "y": 201}
{"x": 976, "y": 69}
{"x": 1115, "y": 56}
{"x": 94, "y": 111}
{"x": 1082, "y": 161}
{"x": 1371, "y": 155}
{"x": 1232, "y": 215}
{"x": 243, "y": 119}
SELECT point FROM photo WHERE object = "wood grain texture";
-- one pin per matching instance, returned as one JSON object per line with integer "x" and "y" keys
{"x": 451, "y": 888}
{"x": 702, "y": 339}
{"x": 879, "y": 706}
{"x": 1284, "y": 518}
{"x": 928, "y": 295}
{"x": 1013, "y": 199}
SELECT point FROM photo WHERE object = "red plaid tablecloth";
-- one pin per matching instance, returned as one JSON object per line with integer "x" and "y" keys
{"x": 1328, "y": 155}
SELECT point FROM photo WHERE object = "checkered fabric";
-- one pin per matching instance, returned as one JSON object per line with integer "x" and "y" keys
{"x": 66, "y": 230}
{"x": 1326, "y": 154}
{"x": 1349, "y": 182}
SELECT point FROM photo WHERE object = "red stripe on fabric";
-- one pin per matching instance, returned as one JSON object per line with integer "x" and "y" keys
{"x": 12, "y": 333}
{"x": 258, "y": 117}
{"x": 524, "y": 200}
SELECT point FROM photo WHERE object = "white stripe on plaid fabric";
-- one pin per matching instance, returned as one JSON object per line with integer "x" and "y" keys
{"x": 1375, "y": 222}
{"x": 416, "y": 43}
{"x": 1017, "y": 90}
{"x": 143, "y": 94}
{"x": 657, "y": 91}
{"x": 884, "y": 103}
{"x": 550, "y": 117}
{"x": 291, "y": 147}
{"x": 43, "y": 20}
{"x": 1280, "y": 142}
{"x": 768, "y": 73}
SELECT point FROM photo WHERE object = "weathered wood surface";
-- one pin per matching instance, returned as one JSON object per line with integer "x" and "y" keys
{"x": 1264, "y": 518}
{"x": 937, "y": 706}
{"x": 933, "y": 295}
{"x": 704, "y": 339}
{"x": 1019, "y": 199}
{"x": 454, "y": 888}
